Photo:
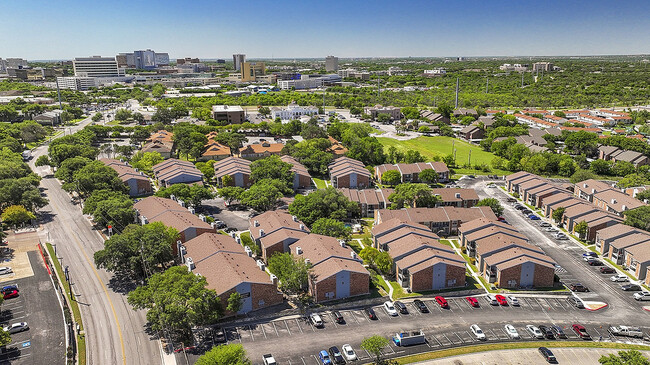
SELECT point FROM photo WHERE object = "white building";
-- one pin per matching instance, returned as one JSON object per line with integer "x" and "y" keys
{"x": 435, "y": 72}
{"x": 331, "y": 64}
{"x": 293, "y": 111}
{"x": 76, "y": 82}
{"x": 12, "y": 63}
{"x": 96, "y": 66}
{"x": 305, "y": 82}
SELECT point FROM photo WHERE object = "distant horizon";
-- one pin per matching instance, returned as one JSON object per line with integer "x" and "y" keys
{"x": 312, "y": 30}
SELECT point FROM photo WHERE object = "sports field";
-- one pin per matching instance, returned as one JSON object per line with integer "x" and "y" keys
{"x": 440, "y": 146}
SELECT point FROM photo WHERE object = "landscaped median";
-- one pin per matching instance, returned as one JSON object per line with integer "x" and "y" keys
{"x": 76, "y": 314}
{"x": 512, "y": 346}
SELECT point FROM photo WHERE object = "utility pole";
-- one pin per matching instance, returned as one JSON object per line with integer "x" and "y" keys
{"x": 456, "y": 93}
{"x": 58, "y": 92}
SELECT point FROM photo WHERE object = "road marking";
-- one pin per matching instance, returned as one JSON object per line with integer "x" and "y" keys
{"x": 285, "y": 323}
{"x": 452, "y": 342}
{"x": 92, "y": 266}
{"x": 298, "y": 323}
{"x": 303, "y": 360}
{"x": 251, "y": 331}
{"x": 275, "y": 328}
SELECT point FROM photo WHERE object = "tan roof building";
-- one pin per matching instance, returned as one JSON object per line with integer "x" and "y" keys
{"x": 410, "y": 172}
{"x": 175, "y": 171}
{"x": 215, "y": 151}
{"x": 349, "y": 173}
{"x": 442, "y": 220}
{"x": 301, "y": 176}
{"x": 261, "y": 150}
{"x": 460, "y": 198}
{"x": 275, "y": 230}
{"x": 137, "y": 183}
{"x": 369, "y": 200}
{"x": 235, "y": 167}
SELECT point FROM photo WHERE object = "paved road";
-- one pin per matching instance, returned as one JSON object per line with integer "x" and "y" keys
{"x": 115, "y": 333}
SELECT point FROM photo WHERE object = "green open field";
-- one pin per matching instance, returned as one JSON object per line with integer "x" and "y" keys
{"x": 440, "y": 146}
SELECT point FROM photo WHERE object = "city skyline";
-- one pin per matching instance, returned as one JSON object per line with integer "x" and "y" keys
{"x": 344, "y": 29}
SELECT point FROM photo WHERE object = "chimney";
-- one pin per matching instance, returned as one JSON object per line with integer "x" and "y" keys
{"x": 584, "y": 185}
{"x": 233, "y": 234}
{"x": 201, "y": 216}
{"x": 172, "y": 197}
{"x": 307, "y": 261}
{"x": 342, "y": 243}
{"x": 261, "y": 233}
{"x": 298, "y": 250}
{"x": 143, "y": 220}
{"x": 261, "y": 265}
{"x": 213, "y": 225}
{"x": 353, "y": 255}
{"x": 183, "y": 250}
{"x": 181, "y": 203}
{"x": 624, "y": 208}
{"x": 136, "y": 169}
{"x": 457, "y": 195}
{"x": 190, "y": 263}
{"x": 295, "y": 219}
{"x": 256, "y": 223}
{"x": 238, "y": 240}
{"x": 613, "y": 201}
{"x": 191, "y": 210}
{"x": 274, "y": 279}
{"x": 302, "y": 227}
{"x": 248, "y": 250}
{"x": 593, "y": 191}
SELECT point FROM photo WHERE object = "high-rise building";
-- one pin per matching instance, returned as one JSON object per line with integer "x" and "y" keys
{"x": 331, "y": 64}
{"x": 542, "y": 66}
{"x": 162, "y": 59}
{"x": 238, "y": 59}
{"x": 76, "y": 83}
{"x": 96, "y": 66}
{"x": 142, "y": 59}
{"x": 251, "y": 70}
{"x": 145, "y": 60}
{"x": 12, "y": 63}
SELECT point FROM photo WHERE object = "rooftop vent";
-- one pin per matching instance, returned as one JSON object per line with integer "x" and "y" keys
{"x": 298, "y": 250}
{"x": 261, "y": 233}
{"x": 295, "y": 219}
{"x": 256, "y": 223}
{"x": 302, "y": 227}
{"x": 190, "y": 263}
{"x": 261, "y": 265}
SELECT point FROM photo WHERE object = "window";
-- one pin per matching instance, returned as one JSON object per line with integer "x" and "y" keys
{"x": 451, "y": 282}
{"x": 261, "y": 303}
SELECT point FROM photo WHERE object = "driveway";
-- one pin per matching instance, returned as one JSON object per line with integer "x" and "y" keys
{"x": 232, "y": 218}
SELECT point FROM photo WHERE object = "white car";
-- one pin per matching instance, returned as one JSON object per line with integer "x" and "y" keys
{"x": 16, "y": 327}
{"x": 316, "y": 320}
{"x": 511, "y": 331}
{"x": 5, "y": 270}
{"x": 534, "y": 331}
{"x": 513, "y": 300}
{"x": 644, "y": 295}
{"x": 478, "y": 332}
{"x": 348, "y": 352}
{"x": 390, "y": 308}
{"x": 491, "y": 299}
{"x": 619, "y": 278}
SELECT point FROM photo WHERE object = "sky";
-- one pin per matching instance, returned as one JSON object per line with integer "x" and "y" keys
{"x": 64, "y": 29}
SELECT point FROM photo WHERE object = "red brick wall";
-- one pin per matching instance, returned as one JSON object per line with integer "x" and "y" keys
{"x": 304, "y": 181}
{"x": 343, "y": 181}
{"x": 544, "y": 276}
{"x": 359, "y": 283}
{"x": 456, "y": 272}
{"x": 319, "y": 289}
{"x": 363, "y": 181}
{"x": 272, "y": 249}
{"x": 266, "y": 292}
{"x": 512, "y": 273}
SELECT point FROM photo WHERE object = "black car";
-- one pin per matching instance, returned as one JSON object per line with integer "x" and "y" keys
{"x": 631, "y": 287}
{"x": 219, "y": 335}
{"x": 607, "y": 270}
{"x": 595, "y": 262}
{"x": 338, "y": 317}
{"x": 578, "y": 287}
{"x": 559, "y": 333}
{"x": 421, "y": 306}
{"x": 547, "y": 355}
{"x": 511, "y": 200}
{"x": 575, "y": 302}
{"x": 547, "y": 332}
{"x": 520, "y": 207}
{"x": 526, "y": 211}
{"x": 337, "y": 357}
{"x": 401, "y": 307}
{"x": 370, "y": 313}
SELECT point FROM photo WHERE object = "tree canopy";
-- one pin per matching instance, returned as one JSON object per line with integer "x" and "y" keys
{"x": 331, "y": 227}
{"x": 190, "y": 194}
{"x": 231, "y": 354}
{"x": 323, "y": 203}
{"x": 292, "y": 272}
{"x": 493, "y": 203}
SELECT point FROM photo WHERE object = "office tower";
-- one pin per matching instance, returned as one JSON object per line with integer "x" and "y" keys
{"x": 96, "y": 66}
{"x": 238, "y": 59}
{"x": 331, "y": 64}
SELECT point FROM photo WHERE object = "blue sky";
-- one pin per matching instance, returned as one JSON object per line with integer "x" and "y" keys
{"x": 37, "y": 29}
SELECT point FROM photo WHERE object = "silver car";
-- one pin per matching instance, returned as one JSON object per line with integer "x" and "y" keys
{"x": 5, "y": 270}
{"x": 16, "y": 327}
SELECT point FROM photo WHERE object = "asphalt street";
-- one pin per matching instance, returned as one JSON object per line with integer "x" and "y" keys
{"x": 115, "y": 333}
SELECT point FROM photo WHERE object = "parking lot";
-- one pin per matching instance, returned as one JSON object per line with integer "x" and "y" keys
{"x": 37, "y": 304}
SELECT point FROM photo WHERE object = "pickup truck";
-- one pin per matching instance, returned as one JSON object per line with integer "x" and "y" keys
{"x": 626, "y": 331}
{"x": 268, "y": 360}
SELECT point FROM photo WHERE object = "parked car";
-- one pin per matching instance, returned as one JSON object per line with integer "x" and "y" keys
{"x": 390, "y": 308}
{"x": 631, "y": 287}
{"x": 533, "y": 217}
{"x": 526, "y": 212}
{"x": 578, "y": 287}
{"x": 10, "y": 294}
{"x": 268, "y": 359}
{"x": 544, "y": 224}
{"x": 581, "y": 332}
{"x": 219, "y": 335}
{"x": 547, "y": 355}
{"x": 576, "y": 302}
{"x": 5, "y": 270}
{"x": 513, "y": 300}
{"x": 348, "y": 352}
{"x": 519, "y": 207}
{"x": 324, "y": 358}
{"x": 491, "y": 299}
{"x": 501, "y": 299}
{"x": 594, "y": 262}
{"x": 336, "y": 355}
{"x": 421, "y": 306}
{"x": 547, "y": 332}
{"x": 559, "y": 333}
{"x": 370, "y": 313}
{"x": 561, "y": 237}
{"x": 9, "y": 288}
{"x": 478, "y": 333}
{"x": 511, "y": 200}
{"x": 472, "y": 301}
{"x": 589, "y": 255}
{"x": 16, "y": 327}
{"x": 316, "y": 320}
{"x": 401, "y": 307}
{"x": 606, "y": 270}
{"x": 534, "y": 331}
{"x": 512, "y": 331}
{"x": 550, "y": 230}
{"x": 338, "y": 317}
{"x": 619, "y": 278}
{"x": 643, "y": 295}
{"x": 442, "y": 302}
{"x": 626, "y": 331}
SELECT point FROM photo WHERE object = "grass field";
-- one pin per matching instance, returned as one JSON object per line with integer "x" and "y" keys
{"x": 440, "y": 146}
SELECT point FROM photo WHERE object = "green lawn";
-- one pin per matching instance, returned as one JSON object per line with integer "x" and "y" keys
{"x": 443, "y": 146}
{"x": 320, "y": 183}
{"x": 398, "y": 291}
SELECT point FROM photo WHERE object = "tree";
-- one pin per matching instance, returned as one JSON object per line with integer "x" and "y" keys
{"x": 16, "y": 214}
{"x": 391, "y": 177}
{"x": 622, "y": 168}
{"x": 21, "y": 191}
{"x": 190, "y": 194}
{"x": 374, "y": 345}
{"x": 331, "y": 227}
{"x": 66, "y": 170}
{"x": 292, "y": 272}
{"x": 582, "y": 175}
{"x": 158, "y": 90}
{"x": 95, "y": 176}
{"x": 231, "y": 354}
{"x": 323, "y": 203}
{"x": 264, "y": 110}
{"x": 581, "y": 229}
{"x": 601, "y": 167}
{"x": 445, "y": 109}
{"x": 97, "y": 117}
{"x": 384, "y": 263}
{"x": 412, "y": 195}
{"x": 638, "y": 217}
{"x": 271, "y": 167}
{"x": 116, "y": 212}
{"x": 624, "y": 357}
{"x": 8, "y": 114}
{"x": 122, "y": 115}
{"x": 230, "y": 193}
{"x": 643, "y": 196}
{"x": 311, "y": 131}
{"x": 42, "y": 160}
{"x": 582, "y": 142}
{"x": 5, "y": 337}
{"x": 234, "y": 302}
{"x": 31, "y": 131}
{"x": 493, "y": 203}
{"x": 383, "y": 118}
{"x": 264, "y": 194}
{"x": 558, "y": 214}
{"x": 176, "y": 300}
{"x": 162, "y": 115}
{"x": 145, "y": 161}
{"x": 429, "y": 176}
{"x": 632, "y": 180}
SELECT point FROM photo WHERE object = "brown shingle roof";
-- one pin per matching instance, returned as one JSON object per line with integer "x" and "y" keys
{"x": 169, "y": 212}
{"x": 327, "y": 256}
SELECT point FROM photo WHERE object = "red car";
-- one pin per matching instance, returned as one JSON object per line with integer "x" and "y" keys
{"x": 442, "y": 301}
{"x": 501, "y": 299}
{"x": 581, "y": 332}
{"x": 472, "y": 301}
{"x": 10, "y": 294}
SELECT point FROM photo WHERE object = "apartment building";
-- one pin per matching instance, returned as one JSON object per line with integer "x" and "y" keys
{"x": 410, "y": 172}
{"x": 613, "y": 153}
{"x": 369, "y": 200}
{"x": 135, "y": 180}
{"x": 238, "y": 169}
{"x": 173, "y": 171}
{"x": 301, "y": 176}
{"x": 275, "y": 230}
{"x": 257, "y": 151}
{"x": 233, "y": 114}
{"x": 442, "y": 220}
{"x": 453, "y": 197}
{"x": 348, "y": 173}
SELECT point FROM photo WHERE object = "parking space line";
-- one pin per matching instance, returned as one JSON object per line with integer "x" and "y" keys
{"x": 459, "y": 306}
{"x": 438, "y": 341}
{"x": 251, "y": 330}
{"x": 263, "y": 332}
{"x": 452, "y": 342}
{"x": 275, "y": 328}
{"x": 461, "y": 340}
{"x": 298, "y": 323}
{"x": 473, "y": 338}
{"x": 504, "y": 333}
{"x": 287, "y": 325}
